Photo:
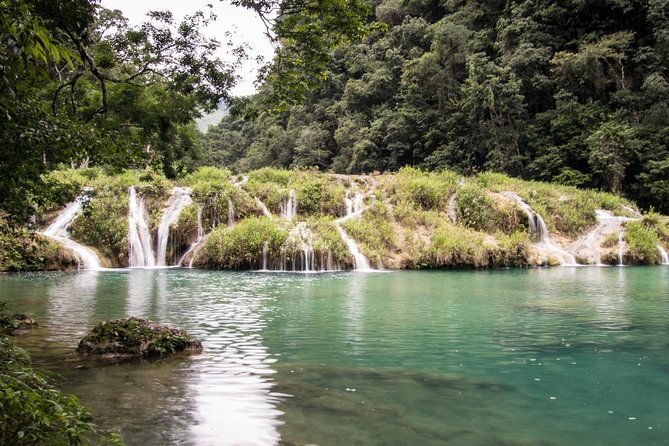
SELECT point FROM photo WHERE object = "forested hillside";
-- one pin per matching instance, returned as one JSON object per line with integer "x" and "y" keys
{"x": 567, "y": 91}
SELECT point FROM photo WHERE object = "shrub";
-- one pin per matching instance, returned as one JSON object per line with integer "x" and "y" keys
{"x": 428, "y": 191}
{"x": 34, "y": 412}
{"x": 642, "y": 241}
{"x": 327, "y": 238}
{"x": 317, "y": 194}
{"x": 241, "y": 247}
{"x": 103, "y": 223}
{"x": 474, "y": 208}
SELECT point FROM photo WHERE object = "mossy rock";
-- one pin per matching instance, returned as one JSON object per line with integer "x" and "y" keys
{"x": 136, "y": 337}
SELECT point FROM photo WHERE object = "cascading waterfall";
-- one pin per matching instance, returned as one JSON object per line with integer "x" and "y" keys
{"x": 589, "y": 245}
{"x": 297, "y": 251}
{"x": 354, "y": 207}
{"x": 539, "y": 229}
{"x": 198, "y": 241}
{"x": 289, "y": 208}
{"x": 140, "y": 250}
{"x": 231, "y": 214}
{"x": 57, "y": 231}
{"x": 177, "y": 202}
{"x": 263, "y": 208}
{"x": 298, "y": 254}
{"x": 663, "y": 255}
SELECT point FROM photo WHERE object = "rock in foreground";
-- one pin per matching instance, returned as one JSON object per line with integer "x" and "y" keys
{"x": 136, "y": 337}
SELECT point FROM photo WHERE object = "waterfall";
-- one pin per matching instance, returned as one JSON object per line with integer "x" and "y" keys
{"x": 179, "y": 199}
{"x": 621, "y": 248}
{"x": 194, "y": 245}
{"x": 231, "y": 214}
{"x": 57, "y": 231}
{"x": 531, "y": 220}
{"x": 298, "y": 250}
{"x": 663, "y": 255}
{"x": 264, "y": 255}
{"x": 589, "y": 245}
{"x": 452, "y": 206}
{"x": 354, "y": 207}
{"x": 540, "y": 232}
{"x": 289, "y": 208}
{"x": 263, "y": 208}
{"x": 140, "y": 250}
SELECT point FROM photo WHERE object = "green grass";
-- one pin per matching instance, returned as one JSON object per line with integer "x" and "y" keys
{"x": 565, "y": 209}
{"x": 642, "y": 241}
{"x": 426, "y": 190}
{"x": 240, "y": 247}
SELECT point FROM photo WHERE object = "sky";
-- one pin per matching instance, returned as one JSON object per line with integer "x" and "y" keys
{"x": 244, "y": 24}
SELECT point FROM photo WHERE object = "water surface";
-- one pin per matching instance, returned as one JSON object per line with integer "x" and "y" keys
{"x": 560, "y": 356}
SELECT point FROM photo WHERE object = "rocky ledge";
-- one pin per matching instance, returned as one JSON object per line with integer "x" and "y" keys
{"x": 136, "y": 337}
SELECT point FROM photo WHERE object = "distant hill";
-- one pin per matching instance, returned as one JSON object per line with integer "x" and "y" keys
{"x": 213, "y": 118}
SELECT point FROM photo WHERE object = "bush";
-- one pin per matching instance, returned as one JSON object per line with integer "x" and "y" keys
{"x": 474, "y": 208}
{"x": 241, "y": 247}
{"x": 24, "y": 250}
{"x": 103, "y": 224}
{"x": 427, "y": 191}
{"x": 327, "y": 238}
{"x": 318, "y": 194}
{"x": 34, "y": 412}
{"x": 642, "y": 241}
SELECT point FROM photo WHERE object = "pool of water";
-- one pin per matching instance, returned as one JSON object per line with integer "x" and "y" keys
{"x": 559, "y": 356}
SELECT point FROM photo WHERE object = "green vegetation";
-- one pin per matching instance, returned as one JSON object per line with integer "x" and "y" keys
{"x": 240, "y": 247}
{"x": 34, "y": 412}
{"x": 317, "y": 194}
{"x": 327, "y": 239}
{"x": 565, "y": 209}
{"x": 135, "y": 337}
{"x": 426, "y": 190}
{"x": 642, "y": 241}
{"x": 103, "y": 223}
{"x": 23, "y": 250}
{"x": 414, "y": 219}
{"x": 572, "y": 93}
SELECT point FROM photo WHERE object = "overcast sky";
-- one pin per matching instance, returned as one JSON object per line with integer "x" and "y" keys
{"x": 243, "y": 23}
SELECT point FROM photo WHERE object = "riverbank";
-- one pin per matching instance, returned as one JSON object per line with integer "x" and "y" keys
{"x": 304, "y": 220}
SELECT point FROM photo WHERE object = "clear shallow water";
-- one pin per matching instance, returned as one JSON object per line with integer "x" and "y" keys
{"x": 560, "y": 356}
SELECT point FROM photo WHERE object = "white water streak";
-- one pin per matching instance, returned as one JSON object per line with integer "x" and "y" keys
{"x": 198, "y": 241}
{"x": 231, "y": 214}
{"x": 263, "y": 208}
{"x": 354, "y": 208}
{"x": 57, "y": 231}
{"x": 289, "y": 208}
{"x": 539, "y": 229}
{"x": 663, "y": 255}
{"x": 140, "y": 249}
{"x": 178, "y": 201}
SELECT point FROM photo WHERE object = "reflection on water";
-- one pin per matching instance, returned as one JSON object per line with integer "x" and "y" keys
{"x": 233, "y": 387}
{"x": 557, "y": 356}
{"x": 71, "y": 300}
{"x": 223, "y": 396}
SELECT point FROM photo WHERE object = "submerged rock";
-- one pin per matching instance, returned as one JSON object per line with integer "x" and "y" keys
{"x": 136, "y": 337}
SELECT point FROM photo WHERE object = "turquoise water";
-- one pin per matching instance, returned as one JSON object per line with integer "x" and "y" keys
{"x": 560, "y": 356}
